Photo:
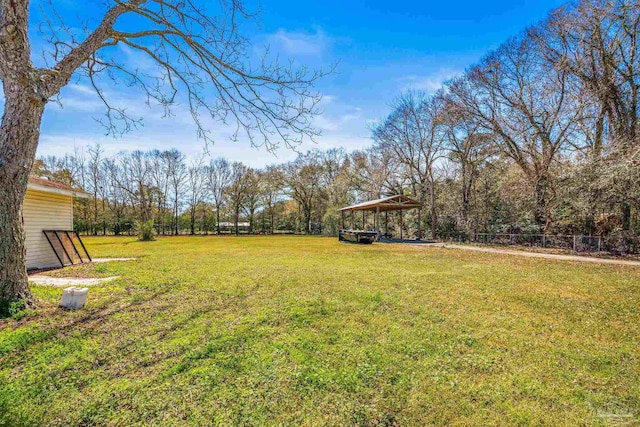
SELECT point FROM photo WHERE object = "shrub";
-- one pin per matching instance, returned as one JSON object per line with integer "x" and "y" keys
{"x": 14, "y": 309}
{"x": 331, "y": 222}
{"x": 145, "y": 230}
{"x": 620, "y": 242}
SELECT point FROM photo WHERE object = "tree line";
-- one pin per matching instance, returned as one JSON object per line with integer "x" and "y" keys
{"x": 540, "y": 136}
{"x": 182, "y": 196}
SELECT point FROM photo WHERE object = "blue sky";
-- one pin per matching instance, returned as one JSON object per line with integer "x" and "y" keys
{"x": 381, "y": 47}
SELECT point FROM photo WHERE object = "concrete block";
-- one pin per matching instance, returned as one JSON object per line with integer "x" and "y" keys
{"x": 74, "y": 298}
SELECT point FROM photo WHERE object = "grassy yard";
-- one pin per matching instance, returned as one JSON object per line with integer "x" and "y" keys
{"x": 308, "y": 331}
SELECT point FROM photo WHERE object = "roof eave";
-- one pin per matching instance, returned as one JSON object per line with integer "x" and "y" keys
{"x": 54, "y": 190}
{"x": 382, "y": 208}
{"x": 385, "y": 204}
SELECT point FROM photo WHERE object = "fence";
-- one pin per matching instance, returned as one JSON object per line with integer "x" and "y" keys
{"x": 575, "y": 243}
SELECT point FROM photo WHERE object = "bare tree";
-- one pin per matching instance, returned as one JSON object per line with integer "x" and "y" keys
{"x": 253, "y": 195}
{"x": 271, "y": 189}
{"x": 303, "y": 179}
{"x": 411, "y": 133}
{"x": 469, "y": 147}
{"x": 197, "y": 54}
{"x": 95, "y": 183}
{"x": 218, "y": 178}
{"x": 528, "y": 107}
{"x": 237, "y": 191}
{"x": 177, "y": 172}
{"x": 160, "y": 179}
{"x": 115, "y": 194}
{"x": 371, "y": 172}
{"x": 195, "y": 187}
{"x": 597, "y": 42}
{"x": 334, "y": 178}
{"x": 136, "y": 181}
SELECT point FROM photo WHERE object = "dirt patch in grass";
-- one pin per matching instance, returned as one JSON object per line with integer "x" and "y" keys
{"x": 82, "y": 271}
{"x": 41, "y": 279}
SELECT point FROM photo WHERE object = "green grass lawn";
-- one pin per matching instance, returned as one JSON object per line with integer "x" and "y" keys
{"x": 309, "y": 331}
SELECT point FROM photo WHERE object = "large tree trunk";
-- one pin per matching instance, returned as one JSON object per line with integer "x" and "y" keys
{"x": 23, "y": 108}
{"x": 18, "y": 143}
{"x": 465, "y": 208}
{"x": 218, "y": 220}
{"x": 205, "y": 222}
{"x": 467, "y": 184}
{"x": 236, "y": 219}
{"x": 175, "y": 216}
{"x": 271, "y": 219}
{"x": 432, "y": 203}
{"x": 94, "y": 225}
{"x": 116, "y": 225}
{"x": 307, "y": 220}
{"x": 626, "y": 216}
{"x": 541, "y": 187}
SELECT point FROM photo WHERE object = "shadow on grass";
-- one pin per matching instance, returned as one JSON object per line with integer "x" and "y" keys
{"x": 97, "y": 322}
{"x": 92, "y": 316}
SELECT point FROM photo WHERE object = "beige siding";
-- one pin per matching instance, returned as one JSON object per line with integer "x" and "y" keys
{"x": 44, "y": 211}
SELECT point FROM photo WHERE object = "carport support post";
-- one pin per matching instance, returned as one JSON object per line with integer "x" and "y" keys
{"x": 386, "y": 222}
{"x": 352, "y": 219}
{"x": 363, "y": 224}
{"x": 401, "y": 223}
{"x": 342, "y": 217}
{"x": 377, "y": 219}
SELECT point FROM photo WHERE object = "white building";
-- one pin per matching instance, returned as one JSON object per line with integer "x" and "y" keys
{"x": 47, "y": 205}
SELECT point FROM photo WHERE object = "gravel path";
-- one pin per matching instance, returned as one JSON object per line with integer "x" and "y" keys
{"x": 538, "y": 254}
{"x": 42, "y": 279}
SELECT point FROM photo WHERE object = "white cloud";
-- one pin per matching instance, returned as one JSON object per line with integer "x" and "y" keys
{"x": 138, "y": 59}
{"x": 327, "y": 99}
{"x": 84, "y": 89}
{"x": 429, "y": 83}
{"x": 78, "y": 104}
{"x": 301, "y": 43}
{"x": 337, "y": 120}
{"x": 326, "y": 123}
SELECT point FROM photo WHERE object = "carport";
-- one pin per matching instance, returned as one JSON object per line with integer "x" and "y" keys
{"x": 378, "y": 206}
